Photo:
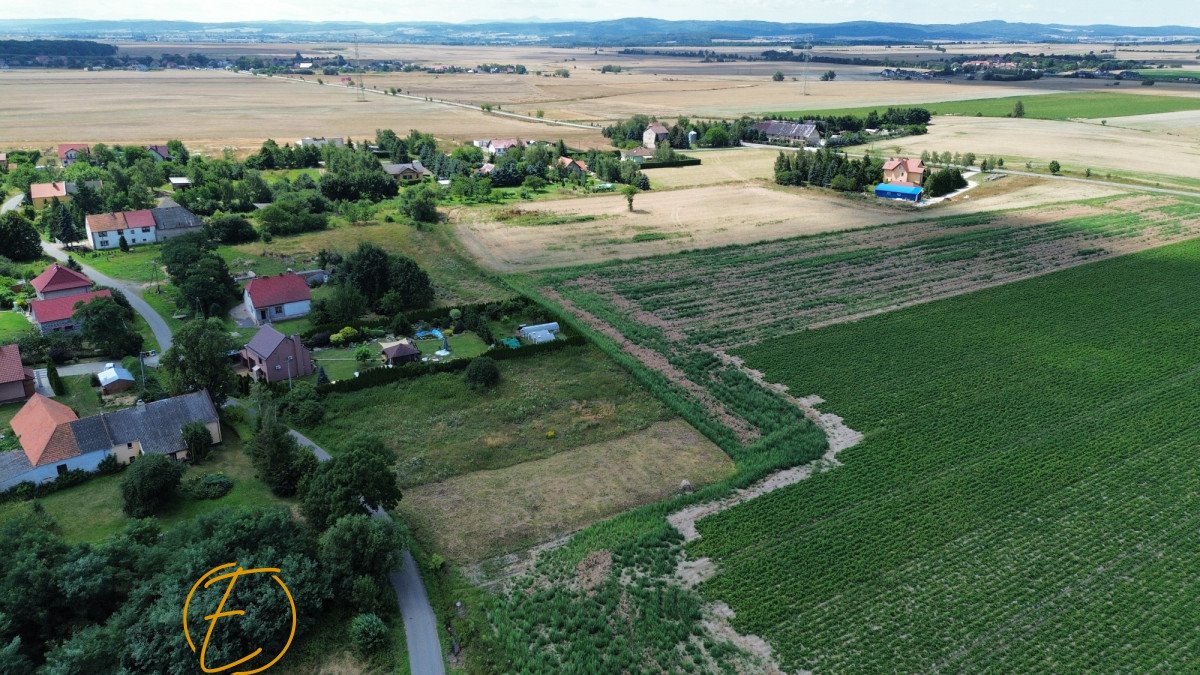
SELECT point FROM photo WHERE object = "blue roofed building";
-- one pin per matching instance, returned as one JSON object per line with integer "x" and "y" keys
{"x": 910, "y": 193}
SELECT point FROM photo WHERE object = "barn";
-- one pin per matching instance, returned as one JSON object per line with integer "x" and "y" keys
{"x": 910, "y": 193}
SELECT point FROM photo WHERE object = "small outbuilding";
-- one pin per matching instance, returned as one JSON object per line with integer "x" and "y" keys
{"x": 528, "y": 331}
{"x": 114, "y": 379}
{"x": 909, "y": 193}
{"x": 401, "y": 353}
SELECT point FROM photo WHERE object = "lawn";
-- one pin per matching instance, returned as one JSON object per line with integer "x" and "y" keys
{"x": 139, "y": 265}
{"x": 439, "y": 427}
{"x": 12, "y": 326}
{"x": 1025, "y": 491}
{"x": 340, "y": 364}
{"x": 463, "y": 346}
{"x": 1090, "y": 105}
{"x": 92, "y": 511}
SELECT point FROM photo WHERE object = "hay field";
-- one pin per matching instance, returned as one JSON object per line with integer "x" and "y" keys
{"x": 211, "y": 110}
{"x": 733, "y": 165}
{"x": 707, "y": 217}
{"x": 1122, "y": 150}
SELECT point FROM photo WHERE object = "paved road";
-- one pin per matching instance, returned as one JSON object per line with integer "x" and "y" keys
{"x": 13, "y": 203}
{"x": 420, "y": 623}
{"x": 162, "y": 332}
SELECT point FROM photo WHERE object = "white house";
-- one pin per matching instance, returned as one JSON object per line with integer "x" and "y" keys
{"x": 277, "y": 298}
{"x": 104, "y": 230}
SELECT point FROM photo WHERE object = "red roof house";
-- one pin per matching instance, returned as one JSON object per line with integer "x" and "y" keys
{"x": 58, "y": 314}
{"x": 59, "y": 281}
{"x": 69, "y": 152}
{"x": 904, "y": 170}
{"x": 43, "y": 428}
{"x": 277, "y": 298}
{"x": 16, "y": 381}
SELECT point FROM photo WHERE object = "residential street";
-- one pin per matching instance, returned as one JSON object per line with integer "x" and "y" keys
{"x": 420, "y": 623}
{"x": 162, "y": 332}
{"x": 11, "y": 204}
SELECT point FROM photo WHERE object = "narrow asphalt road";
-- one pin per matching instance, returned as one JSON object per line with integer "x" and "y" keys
{"x": 13, "y": 203}
{"x": 162, "y": 332}
{"x": 420, "y": 624}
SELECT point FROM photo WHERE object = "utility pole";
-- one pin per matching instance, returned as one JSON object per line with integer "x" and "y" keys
{"x": 805, "y": 57}
{"x": 362, "y": 92}
{"x": 289, "y": 362}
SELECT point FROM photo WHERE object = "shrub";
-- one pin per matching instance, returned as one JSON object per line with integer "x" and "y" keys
{"x": 369, "y": 634}
{"x": 302, "y": 406}
{"x": 482, "y": 373}
{"x": 148, "y": 484}
{"x": 210, "y": 486}
{"x": 197, "y": 440}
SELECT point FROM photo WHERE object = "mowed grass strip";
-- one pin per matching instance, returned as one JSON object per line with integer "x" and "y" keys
{"x": 1027, "y": 482}
{"x": 487, "y": 513}
{"x": 1087, "y": 105}
{"x": 439, "y": 427}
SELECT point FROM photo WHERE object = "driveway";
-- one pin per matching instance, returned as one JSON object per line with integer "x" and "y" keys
{"x": 162, "y": 332}
{"x": 420, "y": 624}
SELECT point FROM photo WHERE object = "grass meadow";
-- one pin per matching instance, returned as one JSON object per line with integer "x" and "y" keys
{"x": 1089, "y": 105}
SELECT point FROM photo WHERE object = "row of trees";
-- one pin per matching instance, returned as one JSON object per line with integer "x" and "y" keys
{"x": 827, "y": 168}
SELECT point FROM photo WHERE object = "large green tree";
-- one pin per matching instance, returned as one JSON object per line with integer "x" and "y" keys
{"x": 149, "y": 484}
{"x": 281, "y": 463}
{"x": 199, "y": 359}
{"x": 361, "y": 475}
{"x": 19, "y": 239}
{"x": 108, "y": 327}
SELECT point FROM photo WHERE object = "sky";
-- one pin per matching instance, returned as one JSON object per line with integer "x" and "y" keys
{"x": 1123, "y": 12}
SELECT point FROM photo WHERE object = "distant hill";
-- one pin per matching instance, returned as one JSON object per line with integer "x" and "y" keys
{"x": 619, "y": 32}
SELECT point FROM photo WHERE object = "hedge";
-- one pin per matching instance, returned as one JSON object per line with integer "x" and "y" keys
{"x": 690, "y": 161}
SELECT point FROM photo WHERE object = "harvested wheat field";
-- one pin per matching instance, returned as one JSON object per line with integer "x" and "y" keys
{"x": 211, "y": 110}
{"x": 733, "y": 165}
{"x": 1100, "y": 148}
{"x": 595, "y": 229}
{"x": 485, "y": 513}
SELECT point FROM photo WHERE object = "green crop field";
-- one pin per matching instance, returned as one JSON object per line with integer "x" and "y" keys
{"x": 1090, "y": 105}
{"x": 1025, "y": 498}
{"x": 1168, "y": 74}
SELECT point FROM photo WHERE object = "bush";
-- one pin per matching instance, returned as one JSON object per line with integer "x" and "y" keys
{"x": 369, "y": 634}
{"x": 302, "y": 406}
{"x": 210, "y": 486}
{"x": 148, "y": 484}
{"x": 197, "y": 440}
{"x": 482, "y": 373}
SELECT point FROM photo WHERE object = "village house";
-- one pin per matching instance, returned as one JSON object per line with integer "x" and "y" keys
{"x": 160, "y": 153}
{"x": 277, "y": 298}
{"x": 58, "y": 315}
{"x": 58, "y": 281}
{"x": 274, "y": 357}
{"x": 904, "y": 171}
{"x": 54, "y": 440}
{"x": 320, "y": 142}
{"x": 41, "y": 194}
{"x": 16, "y": 381}
{"x": 654, "y": 134}
{"x": 69, "y": 152}
{"x": 637, "y": 155}
{"x": 576, "y": 167}
{"x": 407, "y": 173}
{"x": 147, "y": 226}
{"x": 499, "y": 146}
{"x": 791, "y": 133}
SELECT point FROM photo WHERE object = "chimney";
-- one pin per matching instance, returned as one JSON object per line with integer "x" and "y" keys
{"x": 141, "y": 406}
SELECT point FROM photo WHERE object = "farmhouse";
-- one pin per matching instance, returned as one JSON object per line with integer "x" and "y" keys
{"x": 499, "y": 146}
{"x": 69, "y": 152}
{"x": 58, "y": 315}
{"x": 904, "y": 191}
{"x": 407, "y": 173}
{"x": 277, "y": 298}
{"x": 58, "y": 282}
{"x": 16, "y": 381}
{"x": 54, "y": 440}
{"x": 904, "y": 170}
{"x": 274, "y": 357}
{"x": 791, "y": 133}
{"x": 654, "y": 134}
{"x": 147, "y": 226}
{"x": 401, "y": 353}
